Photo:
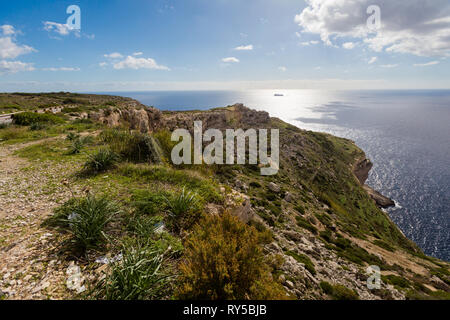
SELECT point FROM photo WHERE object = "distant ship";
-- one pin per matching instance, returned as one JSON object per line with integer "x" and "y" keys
{"x": 279, "y": 95}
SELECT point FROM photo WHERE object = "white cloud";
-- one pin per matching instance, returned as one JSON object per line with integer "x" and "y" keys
{"x": 14, "y": 66}
{"x": 389, "y": 65}
{"x": 139, "y": 63}
{"x": 114, "y": 55}
{"x": 244, "y": 48}
{"x": 59, "y": 28}
{"x": 103, "y": 64}
{"x": 61, "y": 69}
{"x": 10, "y": 50}
{"x": 7, "y": 30}
{"x": 348, "y": 45}
{"x": 431, "y": 63}
{"x": 373, "y": 60}
{"x": 230, "y": 60}
{"x": 282, "y": 69}
{"x": 417, "y": 27}
{"x": 309, "y": 43}
{"x": 138, "y": 54}
{"x": 298, "y": 35}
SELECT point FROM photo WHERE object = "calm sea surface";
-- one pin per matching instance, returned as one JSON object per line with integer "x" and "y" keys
{"x": 405, "y": 133}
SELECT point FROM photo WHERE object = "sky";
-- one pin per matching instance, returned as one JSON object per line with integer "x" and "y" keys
{"x": 139, "y": 45}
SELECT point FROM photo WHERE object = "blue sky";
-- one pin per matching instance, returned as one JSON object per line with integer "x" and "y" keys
{"x": 223, "y": 44}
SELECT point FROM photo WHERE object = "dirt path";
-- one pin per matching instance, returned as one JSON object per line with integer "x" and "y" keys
{"x": 29, "y": 264}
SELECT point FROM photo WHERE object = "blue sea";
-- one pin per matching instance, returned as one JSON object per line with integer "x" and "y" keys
{"x": 406, "y": 134}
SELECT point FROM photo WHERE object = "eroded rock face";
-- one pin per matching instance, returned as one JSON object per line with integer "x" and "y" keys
{"x": 362, "y": 169}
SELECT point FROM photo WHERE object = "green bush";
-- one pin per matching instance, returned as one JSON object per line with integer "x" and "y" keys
{"x": 223, "y": 261}
{"x": 29, "y": 118}
{"x": 38, "y": 126}
{"x": 309, "y": 265}
{"x": 338, "y": 291}
{"x": 303, "y": 223}
{"x": 132, "y": 146}
{"x": 101, "y": 161}
{"x": 137, "y": 276}
{"x": 86, "y": 218}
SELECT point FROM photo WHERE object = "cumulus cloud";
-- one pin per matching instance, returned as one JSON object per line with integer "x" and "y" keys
{"x": 431, "y": 63}
{"x": 372, "y": 60}
{"x": 416, "y": 27}
{"x": 7, "y": 30}
{"x": 244, "y": 48}
{"x": 9, "y": 49}
{"x": 230, "y": 60}
{"x": 59, "y": 28}
{"x": 131, "y": 62}
{"x": 14, "y": 66}
{"x": 138, "y": 54}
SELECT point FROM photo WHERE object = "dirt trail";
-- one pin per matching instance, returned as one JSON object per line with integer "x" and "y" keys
{"x": 29, "y": 265}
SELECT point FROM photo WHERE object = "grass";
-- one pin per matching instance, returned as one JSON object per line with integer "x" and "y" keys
{"x": 86, "y": 219}
{"x": 309, "y": 265}
{"x": 184, "y": 210}
{"x": 101, "y": 161}
{"x": 138, "y": 275}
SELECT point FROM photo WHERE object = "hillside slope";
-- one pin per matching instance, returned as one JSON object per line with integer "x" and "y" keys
{"x": 323, "y": 227}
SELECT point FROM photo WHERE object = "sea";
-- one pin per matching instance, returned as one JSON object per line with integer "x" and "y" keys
{"x": 406, "y": 134}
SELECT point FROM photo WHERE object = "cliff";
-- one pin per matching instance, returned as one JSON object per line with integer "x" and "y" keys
{"x": 325, "y": 228}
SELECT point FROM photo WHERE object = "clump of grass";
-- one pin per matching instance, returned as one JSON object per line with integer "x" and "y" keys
{"x": 78, "y": 143}
{"x": 149, "y": 203}
{"x": 71, "y": 136}
{"x": 102, "y": 160}
{"x": 339, "y": 292}
{"x": 143, "y": 226}
{"x": 184, "y": 210}
{"x": 309, "y": 265}
{"x": 137, "y": 276}
{"x": 303, "y": 223}
{"x": 86, "y": 219}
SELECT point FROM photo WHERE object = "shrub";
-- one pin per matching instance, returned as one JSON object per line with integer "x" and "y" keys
{"x": 303, "y": 223}
{"x": 37, "y": 126}
{"x": 184, "y": 210}
{"x": 3, "y": 126}
{"x": 101, "y": 161}
{"x": 223, "y": 261}
{"x": 339, "y": 292}
{"x": 137, "y": 276}
{"x": 86, "y": 218}
{"x": 132, "y": 146}
{"x": 309, "y": 265}
{"x": 78, "y": 143}
{"x": 29, "y": 118}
